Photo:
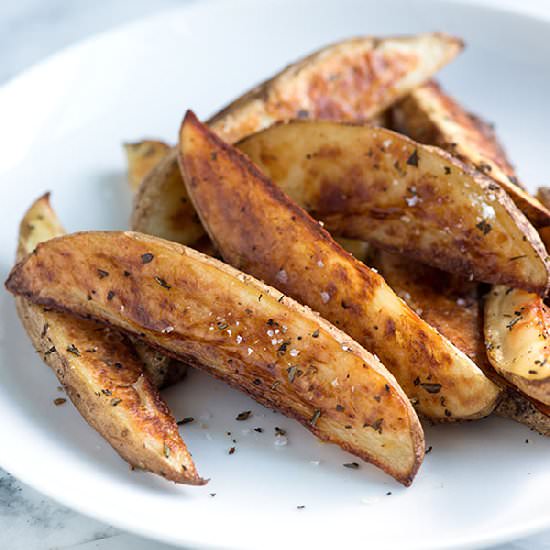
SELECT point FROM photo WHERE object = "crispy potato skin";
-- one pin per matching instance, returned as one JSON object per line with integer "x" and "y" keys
{"x": 142, "y": 157}
{"x": 260, "y": 230}
{"x": 353, "y": 80}
{"x": 518, "y": 407}
{"x": 375, "y": 185}
{"x": 211, "y": 316}
{"x": 102, "y": 374}
{"x": 430, "y": 116}
{"x": 517, "y": 327}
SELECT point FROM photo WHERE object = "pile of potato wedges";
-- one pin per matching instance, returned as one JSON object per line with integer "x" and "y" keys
{"x": 345, "y": 243}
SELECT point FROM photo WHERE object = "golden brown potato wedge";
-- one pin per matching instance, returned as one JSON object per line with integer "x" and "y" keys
{"x": 260, "y": 230}
{"x": 517, "y": 328}
{"x": 430, "y": 116}
{"x": 449, "y": 303}
{"x": 162, "y": 207}
{"x": 102, "y": 374}
{"x": 454, "y": 307}
{"x": 375, "y": 185}
{"x": 352, "y": 80}
{"x": 211, "y": 316}
{"x": 142, "y": 157}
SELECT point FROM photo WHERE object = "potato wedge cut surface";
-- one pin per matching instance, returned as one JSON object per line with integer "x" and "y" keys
{"x": 430, "y": 116}
{"x": 517, "y": 328}
{"x": 258, "y": 229}
{"x": 103, "y": 376}
{"x": 225, "y": 322}
{"x": 375, "y": 185}
{"x": 352, "y": 80}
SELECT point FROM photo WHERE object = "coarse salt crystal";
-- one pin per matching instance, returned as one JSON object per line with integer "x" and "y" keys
{"x": 294, "y": 352}
{"x": 320, "y": 263}
{"x": 249, "y": 351}
{"x": 280, "y": 441}
{"x": 325, "y": 296}
{"x": 270, "y": 333}
{"x": 412, "y": 201}
{"x": 334, "y": 383}
{"x": 239, "y": 339}
{"x": 281, "y": 276}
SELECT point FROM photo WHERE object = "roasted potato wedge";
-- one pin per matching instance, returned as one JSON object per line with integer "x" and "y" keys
{"x": 209, "y": 315}
{"x": 517, "y": 328}
{"x": 454, "y": 307}
{"x": 352, "y": 80}
{"x": 375, "y": 185}
{"x": 448, "y": 303}
{"x": 430, "y": 116}
{"x": 142, "y": 157}
{"x": 163, "y": 208}
{"x": 260, "y": 230}
{"x": 102, "y": 374}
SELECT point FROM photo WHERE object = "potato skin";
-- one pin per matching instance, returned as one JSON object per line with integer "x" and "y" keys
{"x": 260, "y": 230}
{"x": 375, "y": 185}
{"x": 102, "y": 374}
{"x": 352, "y": 80}
{"x": 211, "y": 316}
{"x": 430, "y": 116}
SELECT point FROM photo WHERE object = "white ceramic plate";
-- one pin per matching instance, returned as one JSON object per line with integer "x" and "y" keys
{"x": 62, "y": 124}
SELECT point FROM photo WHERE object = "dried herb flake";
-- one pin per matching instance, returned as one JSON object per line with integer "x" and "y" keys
{"x": 413, "y": 159}
{"x": 162, "y": 283}
{"x": 243, "y": 415}
{"x": 73, "y": 349}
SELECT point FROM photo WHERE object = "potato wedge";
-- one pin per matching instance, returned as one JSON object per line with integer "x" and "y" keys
{"x": 454, "y": 307}
{"x": 163, "y": 208}
{"x": 142, "y": 157}
{"x": 430, "y": 116}
{"x": 213, "y": 317}
{"x": 260, "y": 230}
{"x": 448, "y": 303}
{"x": 517, "y": 328}
{"x": 102, "y": 374}
{"x": 375, "y": 185}
{"x": 352, "y": 80}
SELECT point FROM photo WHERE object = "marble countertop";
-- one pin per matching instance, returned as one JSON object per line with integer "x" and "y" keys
{"x": 29, "y": 31}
